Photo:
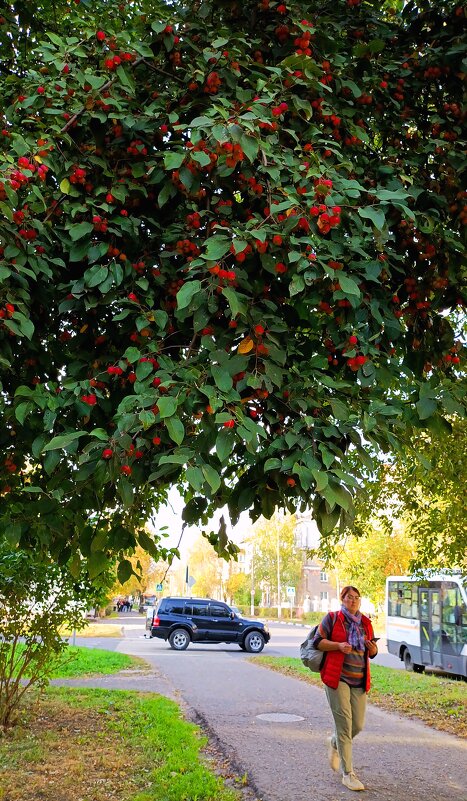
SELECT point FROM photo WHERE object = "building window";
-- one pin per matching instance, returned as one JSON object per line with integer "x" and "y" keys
{"x": 323, "y": 576}
{"x": 323, "y": 596}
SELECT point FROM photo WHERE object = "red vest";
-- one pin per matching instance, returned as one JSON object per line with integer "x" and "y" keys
{"x": 332, "y": 668}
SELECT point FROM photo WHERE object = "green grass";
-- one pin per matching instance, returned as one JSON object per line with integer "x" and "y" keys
{"x": 79, "y": 661}
{"x": 93, "y": 661}
{"x": 437, "y": 700}
{"x": 104, "y": 744}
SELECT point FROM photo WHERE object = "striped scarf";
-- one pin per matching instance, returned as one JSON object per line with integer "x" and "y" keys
{"x": 355, "y": 636}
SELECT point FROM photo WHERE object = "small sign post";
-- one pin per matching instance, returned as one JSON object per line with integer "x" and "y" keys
{"x": 291, "y": 597}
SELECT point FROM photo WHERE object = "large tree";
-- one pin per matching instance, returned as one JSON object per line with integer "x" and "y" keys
{"x": 230, "y": 256}
{"x": 423, "y": 492}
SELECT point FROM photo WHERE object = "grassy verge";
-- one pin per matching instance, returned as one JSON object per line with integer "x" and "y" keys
{"x": 92, "y": 661}
{"x": 106, "y": 745}
{"x": 95, "y": 630}
{"x": 76, "y": 662}
{"x": 436, "y": 700}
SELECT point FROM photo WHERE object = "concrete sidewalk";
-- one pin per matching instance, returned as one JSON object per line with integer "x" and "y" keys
{"x": 285, "y": 758}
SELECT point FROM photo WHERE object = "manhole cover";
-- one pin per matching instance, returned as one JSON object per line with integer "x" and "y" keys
{"x": 280, "y": 717}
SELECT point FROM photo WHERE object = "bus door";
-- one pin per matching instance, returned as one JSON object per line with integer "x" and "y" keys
{"x": 430, "y": 626}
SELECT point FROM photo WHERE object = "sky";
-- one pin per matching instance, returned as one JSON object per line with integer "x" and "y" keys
{"x": 171, "y": 516}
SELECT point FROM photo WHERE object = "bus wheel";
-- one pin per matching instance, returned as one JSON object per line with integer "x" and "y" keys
{"x": 419, "y": 668}
{"x": 408, "y": 664}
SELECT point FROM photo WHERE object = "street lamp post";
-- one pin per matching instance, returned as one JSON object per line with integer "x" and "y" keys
{"x": 252, "y": 590}
{"x": 279, "y": 591}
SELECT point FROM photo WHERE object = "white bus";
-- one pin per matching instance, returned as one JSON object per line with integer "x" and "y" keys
{"x": 426, "y": 621}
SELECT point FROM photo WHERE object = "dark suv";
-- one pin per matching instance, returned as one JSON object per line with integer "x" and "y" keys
{"x": 185, "y": 620}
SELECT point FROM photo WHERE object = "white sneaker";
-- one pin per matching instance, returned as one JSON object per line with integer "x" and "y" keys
{"x": 333, "y": 756}
{"x": 350, "y": 781}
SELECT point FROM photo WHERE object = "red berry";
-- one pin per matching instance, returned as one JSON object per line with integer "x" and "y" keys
{"x": 100, "y": 36}
{"x": 353, "y": 340}
{"x": 125, "y": 469}
{"x": 107, "y": 453}
{"x": 156, "y": 440}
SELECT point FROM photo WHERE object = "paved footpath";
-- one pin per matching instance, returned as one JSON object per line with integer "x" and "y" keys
{"x": 285, "y": 760}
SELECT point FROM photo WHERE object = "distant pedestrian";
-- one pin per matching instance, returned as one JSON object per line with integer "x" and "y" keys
{"x": 347, "y": 639}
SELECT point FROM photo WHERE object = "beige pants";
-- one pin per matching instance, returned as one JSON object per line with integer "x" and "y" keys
{"x": 348, "y": 705}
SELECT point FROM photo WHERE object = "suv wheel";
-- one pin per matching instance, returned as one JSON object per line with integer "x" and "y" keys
{"x": 254, "y": 642}
{"x": 179, "y": 640}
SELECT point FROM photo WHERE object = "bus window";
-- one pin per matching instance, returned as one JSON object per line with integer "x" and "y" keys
{"x": 402, "y": 602}
{"x": 454, "y": 618}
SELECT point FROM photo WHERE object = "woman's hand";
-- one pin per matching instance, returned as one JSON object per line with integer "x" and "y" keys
{"x": 371, "y": 647}
{"x": 345, "y": 647}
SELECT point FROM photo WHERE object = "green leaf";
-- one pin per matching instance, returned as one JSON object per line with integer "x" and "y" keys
{"x": 222, "y": 378}
{"x": 376, "y": 216}
{"x": 272, "y": 464}
{"x": 125, "y": 77}
{"x": 250, "y": 146}
{"x": 172, "y": 161}
{"x": 200, "y": 157}
{"x": 348, "y": 285}
{"x": 186, "y": 293}
{"x": 426, "y": 407}
{"x": 63, "y": 440}
{"x": 216, "y": 247}
{"x": 97, "y": 563}
{"x": 132, "y": 354}
{"x": 212, "y": 477}
{"x": 167, "y": 407}
{"x": 65, "y": 186}
{"x": 125, "y": 490}
{"x": 224, "y": 444}
{"x": 339, "y": 409}
{"x": 233, "y": 299}
{"x": 124, "y": 571}
{"x": 195, "y": 478}
{"x": 22, "y": 410}
{"x": 176, "y": 429}
{"x": 321, "y": 479}
{"x": 79, "y": 230}
{"x": 96, "y": 275}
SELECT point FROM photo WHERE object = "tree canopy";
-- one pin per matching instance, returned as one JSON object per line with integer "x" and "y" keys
{"x": 230, "y": 257}
{"x": 423, "y": 492}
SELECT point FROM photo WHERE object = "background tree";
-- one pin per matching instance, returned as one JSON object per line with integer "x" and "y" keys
{"x": 230, "y": 257}
{"x": 367, "y": 560}
{"x": 273, "y": 544}
{"x": 205, "y": 566}
{"x": 238, "y": 589}
{"x": 424, "y": 491}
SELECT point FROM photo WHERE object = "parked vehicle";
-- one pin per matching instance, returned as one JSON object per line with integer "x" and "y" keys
{"x": 146, "y": 601}
{"x": 427, "y": 621}
{"x": 185, "y": 620}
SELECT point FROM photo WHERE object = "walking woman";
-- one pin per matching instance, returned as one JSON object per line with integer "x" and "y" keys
{"x": 347, "y": 639}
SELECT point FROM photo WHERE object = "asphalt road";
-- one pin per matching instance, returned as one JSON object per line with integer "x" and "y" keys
{"x": 285, "y": 640}
{"x": 284, "y": 757}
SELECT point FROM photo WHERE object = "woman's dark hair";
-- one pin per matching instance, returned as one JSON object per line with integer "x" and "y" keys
{"x": 345, "y": 590}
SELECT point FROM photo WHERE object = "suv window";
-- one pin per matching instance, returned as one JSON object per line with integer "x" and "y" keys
{"x": 200, "y": 609}
{"x": 174, "y": 608}
{"x": 218, "y": 611}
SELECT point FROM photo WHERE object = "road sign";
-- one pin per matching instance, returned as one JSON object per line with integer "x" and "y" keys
{"x": 291, "y": 591}
{"x": 159, "y": 587}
